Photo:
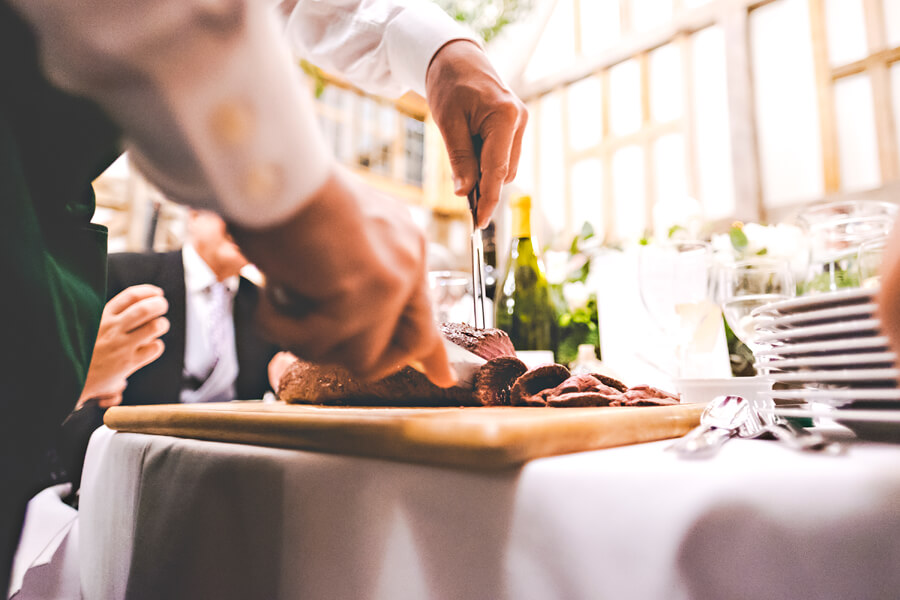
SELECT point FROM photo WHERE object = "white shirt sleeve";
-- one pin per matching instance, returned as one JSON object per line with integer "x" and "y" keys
{"x": 213, "y": 106}
{"x": 381, "y": 46}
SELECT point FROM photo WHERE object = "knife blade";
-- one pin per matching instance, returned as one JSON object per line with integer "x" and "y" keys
{"x": 465, "y": 363}
{"x": 477, "y": 243}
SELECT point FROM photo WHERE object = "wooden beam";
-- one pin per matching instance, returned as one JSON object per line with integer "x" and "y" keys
{"x": 881, "y": 91}
{"x": 609, "y": 145}
{"x": 691, "y": 161}
{"x": 609, "y": 212}
{"x": 576, "y": 25}
{"x": 568, "y": 163}
{"x": 624, "y": 16}
{"x": 647, "y": 145}
{"x": 884, "y": 56}
{"x": 824, "y": 97}
{"x": 749, "y": 203}
{"x": 631, "y": 45}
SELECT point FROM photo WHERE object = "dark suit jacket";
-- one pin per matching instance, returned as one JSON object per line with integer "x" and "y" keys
{"x": 160, "y": 381}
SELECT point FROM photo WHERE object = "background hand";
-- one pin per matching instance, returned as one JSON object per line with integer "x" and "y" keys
{"x": 128, "y": 339}
{"x": 467, "y": 97}
{"x": 277, "y": 366}
{"x": 346, "y": 283}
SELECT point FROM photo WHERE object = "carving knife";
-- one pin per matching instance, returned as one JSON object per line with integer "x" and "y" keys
{"x": 478, "y": 290}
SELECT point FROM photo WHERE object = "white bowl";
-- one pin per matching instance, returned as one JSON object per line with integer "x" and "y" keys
{"x": 702, "y": 391}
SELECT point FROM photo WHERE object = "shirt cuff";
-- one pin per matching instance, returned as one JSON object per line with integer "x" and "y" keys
{"x": 415, "y": 36}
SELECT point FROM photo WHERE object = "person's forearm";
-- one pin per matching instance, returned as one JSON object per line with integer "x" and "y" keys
{"x": 383, "y": 47}
{"x": 212, "y": 105}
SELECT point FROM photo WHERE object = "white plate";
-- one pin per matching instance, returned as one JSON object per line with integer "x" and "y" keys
{"x": 844, "y": 414}
{"x": 866, "y": 375}
{"x": 702, "y": 391}
{"x": 814, "y": 331}
{"x": 875, "y": 343}
{"x": 836, "y": 397}
{"x": 840, "y": 313}
{"x": 882, "y": 425}
{"x": 817, "y": 301}
{"x": 835, "y": 360}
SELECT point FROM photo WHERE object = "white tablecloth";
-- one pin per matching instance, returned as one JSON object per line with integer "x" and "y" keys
{"x": 163, "y": 517}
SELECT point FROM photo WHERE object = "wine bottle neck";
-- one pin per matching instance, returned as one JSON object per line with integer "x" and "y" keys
{"x": 521, "y": 222}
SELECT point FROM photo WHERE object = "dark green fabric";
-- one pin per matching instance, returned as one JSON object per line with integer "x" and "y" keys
{"x": 53, "y": 261}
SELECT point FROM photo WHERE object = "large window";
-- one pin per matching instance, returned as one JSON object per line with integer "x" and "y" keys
{"x": 748, "y": 109}
{"x": 382, "y": 140}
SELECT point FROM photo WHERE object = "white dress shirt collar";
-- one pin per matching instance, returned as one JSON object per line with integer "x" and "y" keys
{"x": 197, "y": 274}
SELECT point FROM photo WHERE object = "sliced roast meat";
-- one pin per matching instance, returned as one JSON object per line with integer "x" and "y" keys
{"x": 577, "y": 390}
{"x": 645, "y": 395}
{"x": 525, "y": 391}
{"x": 486, "y": 343}
{"x": 613, "y": 383}
{"x": 307, "y": 383}
{"x": 494, "y": 378}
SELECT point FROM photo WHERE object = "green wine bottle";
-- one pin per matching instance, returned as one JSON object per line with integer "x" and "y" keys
{"x": 523, "y": 305}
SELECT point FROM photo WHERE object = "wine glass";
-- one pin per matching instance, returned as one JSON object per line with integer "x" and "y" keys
{"x": 869, "y": 260}
{"x": 834, "y": 250}
{"x": 449, "y": 290}
{"x": 749, "y": 284}
{"x": 674, "y": 287}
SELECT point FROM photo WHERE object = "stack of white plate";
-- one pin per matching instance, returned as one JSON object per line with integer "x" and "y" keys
{"x": 828, "y": 354}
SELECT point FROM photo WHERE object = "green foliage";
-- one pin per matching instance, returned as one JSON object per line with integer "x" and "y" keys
{"x": 315, "y": 73}
{"x": 674, "y": 229}
{"x": 738, "y": 239}
{"x": 486, "y": 17}
{"x": 576, "y": 325}
{"x": 739, "y": 354}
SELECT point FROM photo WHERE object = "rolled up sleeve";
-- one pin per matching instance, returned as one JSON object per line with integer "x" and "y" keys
{"x": 383, "y": 47}
{"x": 211, "y": 101}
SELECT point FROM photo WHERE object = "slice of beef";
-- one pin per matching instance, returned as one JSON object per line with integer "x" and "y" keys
{"x": 580, "y": 399}
{"x": 494, "y": 378}
{"x": 613, "y": 383}
{"x": 486, "y": 343}
{"x": 526, "y": 389}
{"x": 577, "y": 390}
{"x": 645, "y": 395}
{"x": 307, "y": 383}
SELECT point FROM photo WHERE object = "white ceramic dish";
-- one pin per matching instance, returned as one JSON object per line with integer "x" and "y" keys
{"x": 880, "y": 425}
{"x": 838, "y": 361}
{"x": 702, "y": 391}
{"x": 840, "y": 313}
{"x": 862, "y": 375}
{"x": 844, "y": 414}
{"x": 874, "y": 343}
{"x": 817, "y": 301}
{"x": 836, "y": 397}
{"x": 860, "y": 326}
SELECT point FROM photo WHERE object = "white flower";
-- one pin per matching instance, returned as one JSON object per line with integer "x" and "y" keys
{"x": 577, "y": 295}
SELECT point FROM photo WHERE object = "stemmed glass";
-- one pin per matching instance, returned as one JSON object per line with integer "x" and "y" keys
{"x": 448, "y": 292}
{"x": 834, "y": 250}
{"x": 869, "y": 261}
{"x": 674, "y": 287}
{"x": 749, "y": 284}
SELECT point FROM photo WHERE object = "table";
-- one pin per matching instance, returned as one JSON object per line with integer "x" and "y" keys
{"x": 163, "y": 517}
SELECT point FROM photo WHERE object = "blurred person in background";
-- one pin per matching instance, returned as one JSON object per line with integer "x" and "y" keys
{"x": 178, "y": 327}
{"x": 213, "y": 348}
{"x": 212, "y": 107}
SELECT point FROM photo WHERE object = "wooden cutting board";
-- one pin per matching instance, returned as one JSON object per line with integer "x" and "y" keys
{"x": 475, "y": 437}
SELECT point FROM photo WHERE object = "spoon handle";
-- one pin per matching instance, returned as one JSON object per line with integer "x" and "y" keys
{"x": 801, "y": 439}
{"x": 701, "y": 442}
